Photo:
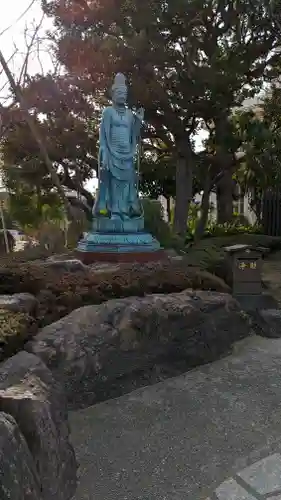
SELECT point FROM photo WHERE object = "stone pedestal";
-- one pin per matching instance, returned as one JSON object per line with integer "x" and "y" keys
{"x": 116, "y": 240}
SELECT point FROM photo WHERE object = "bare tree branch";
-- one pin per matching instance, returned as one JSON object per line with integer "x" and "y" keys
{"x": 29, "y": 45}
{"x": 35, "y": 43}
{"x": 19, "y": 18}
{"x": 32, "y": 55}
{"x": 37, "y": 137}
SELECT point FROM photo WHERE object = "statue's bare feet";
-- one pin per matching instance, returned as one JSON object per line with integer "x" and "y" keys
{"x": 125, "y": 217}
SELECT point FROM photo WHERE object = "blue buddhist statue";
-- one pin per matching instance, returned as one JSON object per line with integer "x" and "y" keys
{"x": 119, "y": 138}
{"x": 118, "y": 232}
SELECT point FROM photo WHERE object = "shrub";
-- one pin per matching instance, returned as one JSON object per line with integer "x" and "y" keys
{"x": 19, "y": 277}
{"x": 240, "y": 224}
{"x": 15, "y": 330}
{"x": 70, "y": 291}
{"x": 156, "y": 225}
{"x": 272, "y": 243}
{"x": 233, "y": 228}
{"x": 59, "y": 293}
{"x": 209, "y": 254}
{"x": 51, "y": 236}
{"x": 204, "y": 253}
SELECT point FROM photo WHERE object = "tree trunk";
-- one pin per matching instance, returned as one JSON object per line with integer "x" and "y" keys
{"x": 225, "y": 198}
{"x": 184, "y": 179}
{"x": 205, "y": 205}
{"x": 225, "y": 164}
{"x": 256, "y": 205}
{"x": 169, "y": 209}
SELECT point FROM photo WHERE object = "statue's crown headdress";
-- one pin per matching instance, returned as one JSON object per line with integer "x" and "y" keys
{"x": 119, "y": 82}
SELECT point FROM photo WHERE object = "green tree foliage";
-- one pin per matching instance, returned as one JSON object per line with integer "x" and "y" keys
{"x": 30, "y": 210}
{"x": 157, "y": 169}
{"x": 187, "y": 61}
{"x": 259, "y": 131}
{"x": 68, "y": 125}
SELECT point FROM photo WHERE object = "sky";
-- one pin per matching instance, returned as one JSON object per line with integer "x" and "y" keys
{"x": 14, "y": 38}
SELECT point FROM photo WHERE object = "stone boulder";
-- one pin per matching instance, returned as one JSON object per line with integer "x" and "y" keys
{"x": 18, "y": 476}
{"x": 65, "y": 265}
{"x": 35, "y": 400}
{"x": 95, "y": 347}
{"x": 19, "y": 302}
{"x": 269, "y": 323}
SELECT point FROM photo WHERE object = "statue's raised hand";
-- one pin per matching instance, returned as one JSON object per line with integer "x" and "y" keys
{"x": 140, "y": 114}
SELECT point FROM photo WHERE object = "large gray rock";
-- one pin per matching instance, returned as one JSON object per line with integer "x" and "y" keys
{"x": 269, "y": 322}
{"x": 29, "y": 393}
{"x": 19, "y": 302}
{"x": 65, "y": 265}
{"x": 18, "y": 476}
{"x": 95, "y": 347}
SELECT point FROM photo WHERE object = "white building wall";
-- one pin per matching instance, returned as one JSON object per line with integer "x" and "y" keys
{"x": 242, "y": 207}
{"x": 164, "y": 204}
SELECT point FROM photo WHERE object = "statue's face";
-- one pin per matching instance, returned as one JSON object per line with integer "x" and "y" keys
{"x": 120, "y": 95}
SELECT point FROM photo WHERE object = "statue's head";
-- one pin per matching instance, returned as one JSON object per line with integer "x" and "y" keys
{"x": 119, "y": 89}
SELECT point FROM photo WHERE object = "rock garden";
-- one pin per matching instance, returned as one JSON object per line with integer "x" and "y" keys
{"x": 74, "y": 335}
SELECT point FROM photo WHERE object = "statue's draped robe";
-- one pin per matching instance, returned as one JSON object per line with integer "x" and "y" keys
{"x": 117, "y": 193}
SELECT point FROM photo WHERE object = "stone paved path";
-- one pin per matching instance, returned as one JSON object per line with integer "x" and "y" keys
{"x": 213, "y": 433}
{"x": 261, "y": 480}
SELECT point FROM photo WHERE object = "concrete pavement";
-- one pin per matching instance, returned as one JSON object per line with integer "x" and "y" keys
{"x": 199, "y": 435}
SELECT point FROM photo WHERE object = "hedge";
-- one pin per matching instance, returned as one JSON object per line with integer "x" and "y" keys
{"x": 59, "y": 292}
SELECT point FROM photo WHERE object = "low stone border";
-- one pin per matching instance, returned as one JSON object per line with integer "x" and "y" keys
{"x": 37, "y": 461}
{"x": 100, "y": 352}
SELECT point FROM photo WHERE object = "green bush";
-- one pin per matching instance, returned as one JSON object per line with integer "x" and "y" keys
{"x": 272, "y": 243}
{"x": 15, "y": 330}
{"x": 233, "y": 228}
{"x": 209, "y": 253}
{"x": 71, "y": 291}
{"x": 156, "y": 225}
{"x": 239, "y": 225}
